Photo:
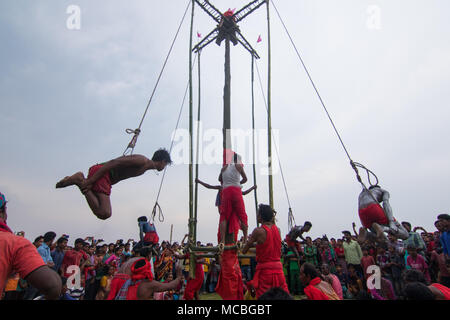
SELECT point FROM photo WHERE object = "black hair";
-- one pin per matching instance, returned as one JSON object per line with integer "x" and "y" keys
{"x": 418, "y": 291}
{"x": 162, "y": 155}
{"x": 140, "y": 263}
{"x": 307, "y": 223}
{"x": 38, "y": 238}
{"x": 144, "y": 251}
{"x": 266, "y": 212}
{"x": 49, "y": 236}
{"x": 142, "y": 219}
{"x": 407, "y": 223}
{"x": 61, "y": 240}
{"x": 275, "y": 293}
{"x": 117, "y": 249}
{"x": 413, "y": 275}
{"x": 310, "y": 270}
{"x": 443, "y": 217}
{"x": 374, "y": 186}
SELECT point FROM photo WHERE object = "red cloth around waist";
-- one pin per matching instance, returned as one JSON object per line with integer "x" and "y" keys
{"x": 372, "y": 213}
{"x": 102, "y": 185}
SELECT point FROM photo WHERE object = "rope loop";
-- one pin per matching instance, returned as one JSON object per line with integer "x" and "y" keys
{"x": 133, "y": 141}
{"x": 157, "y": 209}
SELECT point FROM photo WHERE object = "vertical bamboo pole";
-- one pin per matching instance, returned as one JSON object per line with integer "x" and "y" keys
{"x": 192, "y": 219}
{"x": 269, "y": 112}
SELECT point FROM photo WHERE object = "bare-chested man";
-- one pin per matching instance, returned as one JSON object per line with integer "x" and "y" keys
{"x": 294, "y": 233}
{"x": 97, "y": 186}
{"x": 375, "y": 218}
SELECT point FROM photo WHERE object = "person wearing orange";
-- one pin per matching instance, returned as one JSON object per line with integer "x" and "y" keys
{"x": 267, "y": 240}
{"x": 19, "y": 255}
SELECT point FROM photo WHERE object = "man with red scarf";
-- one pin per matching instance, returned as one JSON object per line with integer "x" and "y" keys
{"x": 19, "y": 255}
{"x": 141, "y": 286}
{"x": 315, "y": 287}
{"x": 267, "y": 239}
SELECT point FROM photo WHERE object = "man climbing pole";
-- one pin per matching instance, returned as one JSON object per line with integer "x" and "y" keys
{"x": 375, "y": 218}
{"x": 97, "y": 186}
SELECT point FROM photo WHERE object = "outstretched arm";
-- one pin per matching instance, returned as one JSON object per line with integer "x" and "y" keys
{"x": 146, "y": 289}
{"x": 248, "y": 191}
{"x": 46, "y": 281}
{"x": 208, "y": 186}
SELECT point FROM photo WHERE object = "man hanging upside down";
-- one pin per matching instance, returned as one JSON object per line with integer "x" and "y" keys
{"x": 375, "y": 218}
{"x": 97, "y": 187}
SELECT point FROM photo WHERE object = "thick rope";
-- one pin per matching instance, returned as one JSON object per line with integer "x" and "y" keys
{"x": 323, "y": 104}
{"x": 275, "y": 144}
{"x": 157, "y": 207}
{"x": 137, "y": 131}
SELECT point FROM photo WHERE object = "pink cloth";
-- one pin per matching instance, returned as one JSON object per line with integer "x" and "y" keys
{"x": 337, "y": 287}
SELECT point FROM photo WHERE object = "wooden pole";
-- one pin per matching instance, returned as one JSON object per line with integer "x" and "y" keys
{"x": 171, "y": 233}
{"x": 269, "y": 112}
{"x": 192, "y": 218}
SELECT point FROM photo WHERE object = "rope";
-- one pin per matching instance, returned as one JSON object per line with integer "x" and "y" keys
{"x": 137, "y": 131}
{"x": 352, "y": 163}
{"x": 157, "y": 207}
{"x": 275, "y": 144}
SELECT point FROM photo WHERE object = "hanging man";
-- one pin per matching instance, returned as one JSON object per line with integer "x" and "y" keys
{"x": 375, "y": 218}
{"x": 97, "y": 186}
{"x": 267, "y": 239}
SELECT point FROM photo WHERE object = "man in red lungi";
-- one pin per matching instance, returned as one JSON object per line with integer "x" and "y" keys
{"x": 97, "y": 187}
{"x": 267, "y": 239}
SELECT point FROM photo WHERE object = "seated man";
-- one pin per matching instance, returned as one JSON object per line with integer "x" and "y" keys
{"x": 97, "y": 187}
{"x": 375, "y": 218}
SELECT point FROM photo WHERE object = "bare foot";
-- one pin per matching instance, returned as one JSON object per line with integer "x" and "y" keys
{"x": 75, "y": 179}
{"x": 381, "y": 237}
{"x": 362, "y": 237}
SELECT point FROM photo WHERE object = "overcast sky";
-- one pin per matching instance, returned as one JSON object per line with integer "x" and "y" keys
{"x": 67, "y": 96}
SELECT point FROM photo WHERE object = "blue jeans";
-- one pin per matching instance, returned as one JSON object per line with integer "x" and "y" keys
{"x": 246, "y": 272}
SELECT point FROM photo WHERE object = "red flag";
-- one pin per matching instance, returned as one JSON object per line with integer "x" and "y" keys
{"x": 199, "y": 35}
{"x": 259, "y": 39}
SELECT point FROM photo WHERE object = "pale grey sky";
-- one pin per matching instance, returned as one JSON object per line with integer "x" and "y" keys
{"x": 67, "y": 96}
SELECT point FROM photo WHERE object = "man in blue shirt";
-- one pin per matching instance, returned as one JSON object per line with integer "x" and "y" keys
{"x": 444, "y": 220}
{"x": 58, "y": 253}
{"x": 44, "y": 249}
